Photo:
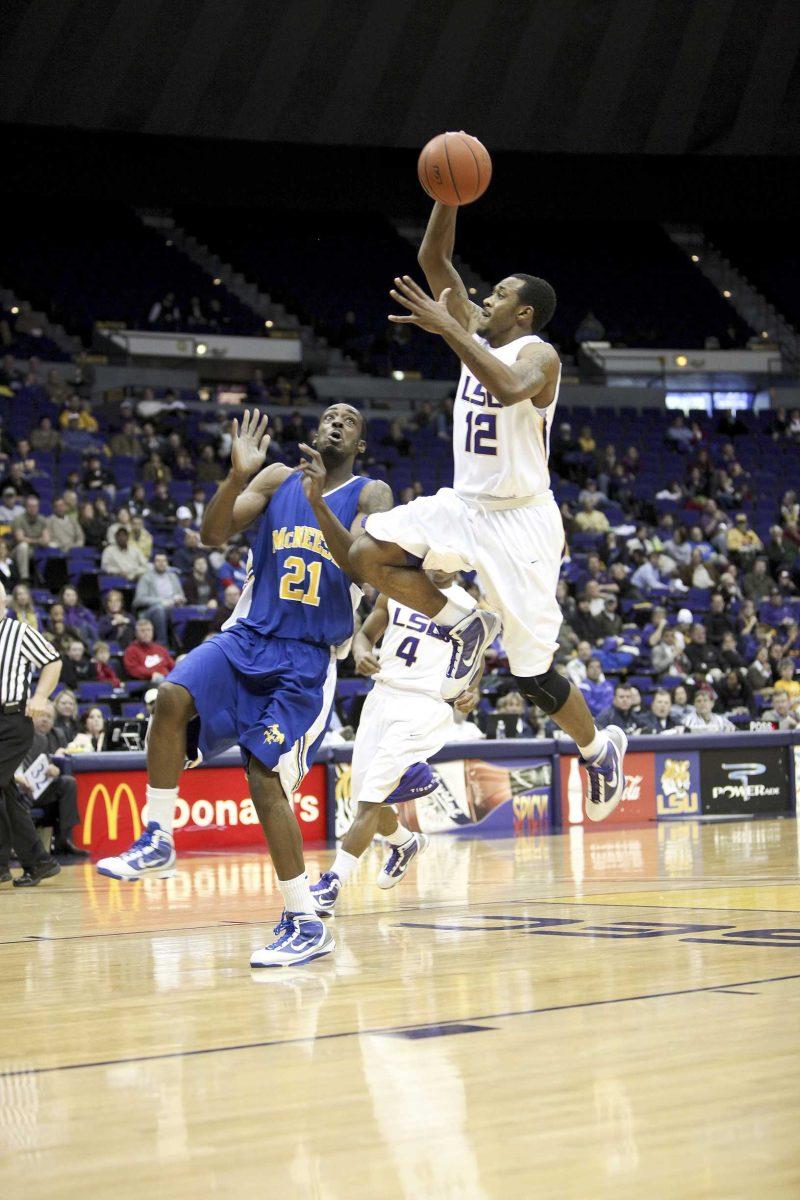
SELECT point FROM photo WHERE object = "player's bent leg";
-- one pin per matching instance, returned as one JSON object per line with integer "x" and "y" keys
{"x": 602, "y": 752}
{"x": 391, "y": 569}
{"x": 153, "y": 853}
{"x": 300, "y": 934}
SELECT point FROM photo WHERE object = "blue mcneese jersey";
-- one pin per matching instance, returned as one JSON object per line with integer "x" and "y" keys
{"x": 298, "y": 591}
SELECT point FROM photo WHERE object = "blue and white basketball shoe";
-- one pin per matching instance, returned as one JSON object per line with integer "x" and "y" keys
{"x": 606, "y": 776}
{"x": 300, "y": 939}
{"x": 400, "y": 860}
{"x": 471, "y": 637}
{"x": 151, "y": 854}
{"x": 326, "y": 892}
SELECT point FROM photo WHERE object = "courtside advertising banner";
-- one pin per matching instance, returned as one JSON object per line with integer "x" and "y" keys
{"x": 745, "y": 780}
{"x": 214, "y": 809}
{"x": 678, "y": 785}
{"x": 638, "y": 802}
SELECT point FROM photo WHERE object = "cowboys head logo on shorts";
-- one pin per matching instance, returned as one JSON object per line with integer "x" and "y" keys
{"x": 273, "y": 734}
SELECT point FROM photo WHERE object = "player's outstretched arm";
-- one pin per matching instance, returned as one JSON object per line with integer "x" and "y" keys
{"x": 240, "y": 498}
{"x": 436, "y": 259}
{"x": 376, "y": 496}
{"x": 370, "y": 632}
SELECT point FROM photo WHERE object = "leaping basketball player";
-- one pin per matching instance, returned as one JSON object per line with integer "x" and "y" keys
{"x": 500, "y": 517}
{"x": 265, "y": 683}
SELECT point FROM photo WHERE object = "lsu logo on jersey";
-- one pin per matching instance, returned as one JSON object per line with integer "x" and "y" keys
{"x": 274, "y": 735}
{"x": 474, "y": 392}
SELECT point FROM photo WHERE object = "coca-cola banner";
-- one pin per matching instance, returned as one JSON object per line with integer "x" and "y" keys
{"x": 745, "y": 780}
{"x": 638, "y": 802}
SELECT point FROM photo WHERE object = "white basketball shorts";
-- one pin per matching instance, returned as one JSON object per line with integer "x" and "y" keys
{"x": 397, "y": 729}
{"x": 515, "y": 551}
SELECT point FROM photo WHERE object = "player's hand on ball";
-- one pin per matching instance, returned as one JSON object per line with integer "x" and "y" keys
{"x": 250, "y": 443}
{"x": 467, "y": 700}
{"x": 314, "y": 475}
{"x": 367, "y": 664}
{"x": 429, "y": 314}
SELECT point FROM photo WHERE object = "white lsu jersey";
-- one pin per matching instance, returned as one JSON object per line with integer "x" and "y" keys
{"x": 500, "y": 451}
{"x": 415, "y": 652}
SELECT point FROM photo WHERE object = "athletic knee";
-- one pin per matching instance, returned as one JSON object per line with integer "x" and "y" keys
{"x": 174, "y": 706}
{"x": 266, "y": 790}
{"x": 549, "y": 691}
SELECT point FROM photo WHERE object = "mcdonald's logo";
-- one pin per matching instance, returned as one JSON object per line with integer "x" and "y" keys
{"x": 111, "y": 804}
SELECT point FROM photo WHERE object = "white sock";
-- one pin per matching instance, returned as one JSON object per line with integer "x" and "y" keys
{"x": 344, "y": 864}
{"x": 400, "y": 836}
{"x": 297, "y": 896}
{"x": 596, "y": 746}
{"x": 451, "y": 614}
{"x": 161, "y": 806}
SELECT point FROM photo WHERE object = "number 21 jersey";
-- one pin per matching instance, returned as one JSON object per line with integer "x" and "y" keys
{"x": 500, "y": 453}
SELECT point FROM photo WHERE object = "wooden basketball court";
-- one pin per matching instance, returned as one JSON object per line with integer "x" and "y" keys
{"x": 613, "y": 1013}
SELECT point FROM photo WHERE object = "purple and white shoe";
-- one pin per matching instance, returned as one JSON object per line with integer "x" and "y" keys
{"x": 400, "y": 859}
{"x": 299, "y": 939}
{"x": 326, "y": 892}
{"x": 606, "y": 776}
{"x": 471, "y": 637}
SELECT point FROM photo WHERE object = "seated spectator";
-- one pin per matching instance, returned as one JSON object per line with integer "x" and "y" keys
{"x": 665, "y": 656}
{"x": 97, "y": 478}
{"x": 658, "y": 719}
{"x": 58, "y": 631}
{"x": 702, "y": 719}
{"x": 786, "y": 681}
{"x": 120, "y": 558}
{"x": 699, "y": 575}
{"x": 230, "y": 598}
{"x": 233, "y": 569}
{"x": 91, "y": 737}
{"x": 15, "y": 478}
{"x": 597, "y": 691}
{"x": 138, "y": 504}
{"x": 677, "y": 552}
{"x": 733, "y": 694}
{"x": 681, "y": 707}
{"x": 64, "y": 530}
{"x": 586, "y": 442}
{"x": 190, "y": 548}
{"x": 11, "y": 507}
{"x": 576, "y": 668}
{"x": 157, "y": 592}
{"x": 44, "y": 438}
{"x": 103, "y": 671}
{"x": 22, "y": 606}
{"x": 59, "y": 799}
{"x": 115, "y": 624}
{"x": 77, "y": 615}
{"x": 742, "y": 541}
{"x": 30, "y": 532}
{"x": 155, "y": 470}
{"x": 162, "y": 509}
{"x": 199, "y": 588}
{"x": 729, "y": 657}
{"x": 146, "y": 659}
{"x": 718, "y": 621}
{"x": 647, "y": 577}
{"x": 781, "y": 714}
{"x": 621, "y": 711}
{"x": 759, "y": 674}
{"x": 773, "y": 611}
{"x": 127, "y": 443}
{"x": 140, "y": 537}
{"x": 94, "y": 521}
{"x": 673, "y": 491}
{"x": 9, "y": 572}
{"x": 209, "y": 469}
{"x": 66, "y": 718}
{"x": 701, "y": 655}
{"x": 79, "y": 414}
{"x": 590, "y": 519}
{"x": 678, "y": 434}
{"x": 77, "y": 666}
{"x": 183, "y": 468}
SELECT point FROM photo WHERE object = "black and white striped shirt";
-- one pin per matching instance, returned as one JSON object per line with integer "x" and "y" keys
{"x": 20, "y": 649}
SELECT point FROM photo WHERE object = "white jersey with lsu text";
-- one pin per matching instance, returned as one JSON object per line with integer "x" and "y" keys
{"x": 500, "y": 451}
{"x": 415, "y": 652}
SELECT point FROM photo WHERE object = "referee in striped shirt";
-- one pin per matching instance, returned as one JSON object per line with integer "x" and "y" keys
{"x": 21, "y": 649}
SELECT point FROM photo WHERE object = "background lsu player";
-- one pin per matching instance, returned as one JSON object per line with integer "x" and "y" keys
{"x": 500, "y": 517}
{"x": 404, "y": 722}
{"x": 264, "y": 683}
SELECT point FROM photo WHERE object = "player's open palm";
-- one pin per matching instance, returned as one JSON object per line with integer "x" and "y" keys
{"x": 250, "y": 443}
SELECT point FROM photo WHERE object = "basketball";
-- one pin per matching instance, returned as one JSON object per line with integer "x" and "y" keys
{"x": 454, "y": 168}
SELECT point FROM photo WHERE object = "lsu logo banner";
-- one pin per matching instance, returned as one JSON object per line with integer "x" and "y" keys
{"x": 678, "y": 784}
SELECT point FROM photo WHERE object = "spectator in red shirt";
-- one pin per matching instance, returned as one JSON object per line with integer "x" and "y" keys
{"x": 144, "y": 658}
{"x": 104, "y": 672}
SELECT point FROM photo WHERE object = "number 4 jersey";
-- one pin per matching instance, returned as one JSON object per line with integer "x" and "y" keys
{"x": 499, "y": 452}
{"x": 298, "y": 590}
{"x": 415, "y": 652}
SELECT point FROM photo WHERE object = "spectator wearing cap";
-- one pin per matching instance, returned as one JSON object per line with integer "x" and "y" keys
{"x": 120, "y": 558}
{"x": 183, "y": 518}
{"x": 158, "y": 591}
{"x": 702, "y": 718}
{"x": 683, "y": 629}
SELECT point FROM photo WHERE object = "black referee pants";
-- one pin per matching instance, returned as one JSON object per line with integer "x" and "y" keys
{"x": 17, "y": 830}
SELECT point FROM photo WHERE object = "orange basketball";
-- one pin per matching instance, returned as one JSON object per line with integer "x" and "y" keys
{"x": 454, "y": 168}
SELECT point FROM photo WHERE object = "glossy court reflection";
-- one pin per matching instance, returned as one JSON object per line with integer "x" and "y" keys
{"x": 575, "y": 1015}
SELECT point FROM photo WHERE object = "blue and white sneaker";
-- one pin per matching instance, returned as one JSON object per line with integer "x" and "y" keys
{"x": 300, "y": 939}
{"x": 151, "y": 854}
{"x": 401, "y": 859}
{"x": 471, "y": 637}
{"x": 326, "y": 892}
{"x": 606, "y": 776}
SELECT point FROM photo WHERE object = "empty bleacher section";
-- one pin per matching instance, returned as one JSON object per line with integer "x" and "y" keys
{"x": 767, "y": 254}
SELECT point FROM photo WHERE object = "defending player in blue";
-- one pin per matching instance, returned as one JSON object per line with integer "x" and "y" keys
{"x": 266, "y": 682}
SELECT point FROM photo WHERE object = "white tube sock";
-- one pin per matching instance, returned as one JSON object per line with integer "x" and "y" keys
{"x": 400, "y": 836}
{"x": 161, "y": 806}
{"x": 344, "y": 864}
{"x": 451, "y": 614}
{"x": 297, "y": 896}
{"x": 596, "y": 746}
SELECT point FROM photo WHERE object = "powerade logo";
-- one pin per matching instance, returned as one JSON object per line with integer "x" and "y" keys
{"x": 741, "y": 787}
